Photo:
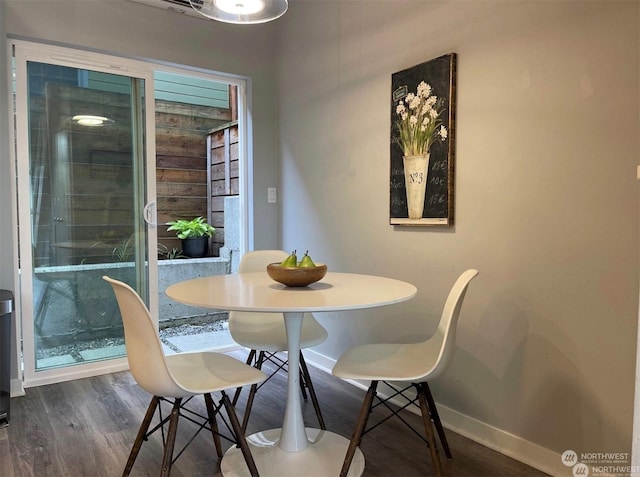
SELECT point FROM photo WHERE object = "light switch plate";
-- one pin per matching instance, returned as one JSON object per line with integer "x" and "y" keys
{"x": 271, "y": 195}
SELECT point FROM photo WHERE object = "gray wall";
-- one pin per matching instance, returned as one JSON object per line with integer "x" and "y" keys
{"x": 546, "y": 200}
{"x": 546, "y": 195}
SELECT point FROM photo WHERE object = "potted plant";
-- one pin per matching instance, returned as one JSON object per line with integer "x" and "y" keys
{"x": 194, "y": 234}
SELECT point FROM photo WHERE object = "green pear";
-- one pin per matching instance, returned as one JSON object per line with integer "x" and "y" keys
{"x": 306, "y": 261}
{"x": 290, "y": 261}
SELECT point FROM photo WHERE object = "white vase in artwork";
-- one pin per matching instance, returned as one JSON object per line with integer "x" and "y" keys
{"x": 415, "y": 180}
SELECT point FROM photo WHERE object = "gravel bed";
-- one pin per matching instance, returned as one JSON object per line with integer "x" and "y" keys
{"x": 74, "y": 349}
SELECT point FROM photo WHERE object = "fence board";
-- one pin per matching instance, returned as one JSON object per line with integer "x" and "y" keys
{"x": 181, "y": 162}
{"x": 181, "y": 175}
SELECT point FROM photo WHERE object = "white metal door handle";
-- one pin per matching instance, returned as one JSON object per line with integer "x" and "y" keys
{"x": 150, "y": 213}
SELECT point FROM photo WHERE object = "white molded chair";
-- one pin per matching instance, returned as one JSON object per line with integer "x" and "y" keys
{"x": 265, "y": 334}
{"x": 414, "y": 363}
{"x": 173, "y": 378}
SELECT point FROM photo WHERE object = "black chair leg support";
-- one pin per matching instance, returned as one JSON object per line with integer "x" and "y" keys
{"x": 239, "y": 435}
{"x": 167, "y": 458}
{"x": 436, "y": 421}
{"x": 361, "y": 424}
{"x": 301, "y": 382}
{"x": 431, "y": 439}
{"x": 309, "y": 384}
{"x": 142, "y": 432}
{"x": 305, "y": 383}
{"x": 249, "y": 361}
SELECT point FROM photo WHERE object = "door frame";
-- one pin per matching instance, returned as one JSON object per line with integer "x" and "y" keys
{"x": 109, "y": 63}
{"x": 55, "y": 55}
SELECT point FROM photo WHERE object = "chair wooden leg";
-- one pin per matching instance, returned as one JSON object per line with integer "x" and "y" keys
{"x": 247, "y": 409}
{"x": 309, "y": 384}
{"x": 167, "y": 458}
{"x": 361, "y": 424}
{"x": 239, "y": 434}
{"x": 249, "y": 361}
{"x": 252, "y": 394}
{"x": 142, "y": 432}
{"x": 436, "y": 420}
{"x": 426, "y": 419}
{"x": 213, "y": 423}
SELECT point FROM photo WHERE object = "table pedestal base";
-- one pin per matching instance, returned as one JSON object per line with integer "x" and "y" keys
{"x": 323, "y": 457}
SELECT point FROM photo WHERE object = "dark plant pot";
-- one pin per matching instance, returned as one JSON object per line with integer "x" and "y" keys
{"x": 195, "y": 247}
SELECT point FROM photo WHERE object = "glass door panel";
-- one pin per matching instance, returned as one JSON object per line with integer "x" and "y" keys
{"x": 87, "y": 186}
{"x": 82, "y": 189}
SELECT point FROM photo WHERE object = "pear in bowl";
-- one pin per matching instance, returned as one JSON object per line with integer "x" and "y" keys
{"x": 296, "y": 276}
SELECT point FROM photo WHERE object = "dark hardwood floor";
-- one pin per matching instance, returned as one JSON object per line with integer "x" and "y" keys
{"x": 86, "y": 428}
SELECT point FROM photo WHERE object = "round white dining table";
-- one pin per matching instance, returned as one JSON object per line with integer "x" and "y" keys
{"x": 293, "y": 450}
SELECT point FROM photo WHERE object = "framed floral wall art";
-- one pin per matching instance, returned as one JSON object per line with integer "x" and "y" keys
{"x": 423, "y": 143}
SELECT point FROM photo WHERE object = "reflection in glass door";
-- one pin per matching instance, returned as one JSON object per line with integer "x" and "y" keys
{"x": 87, "y": 176}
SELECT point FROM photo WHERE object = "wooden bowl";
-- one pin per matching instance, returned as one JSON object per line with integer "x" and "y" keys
{"x": 296, "y": 276}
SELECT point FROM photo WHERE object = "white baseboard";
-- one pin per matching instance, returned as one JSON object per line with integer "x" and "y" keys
{"x": 496, "y": 439}
{"x": 502, "y": 441}
{"x": 319, "y": 361}
{"x": 16, "y": 388}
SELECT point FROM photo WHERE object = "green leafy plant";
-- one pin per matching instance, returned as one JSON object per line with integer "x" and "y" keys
{"x": 125, "y": 250}
{"x": 164, "y": 252}
{"x": 194, "y": 228}
{"x": 122, "y": 251}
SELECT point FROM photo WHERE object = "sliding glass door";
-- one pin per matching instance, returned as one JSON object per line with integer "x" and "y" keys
{"x": 85, "y": 172}
{"x": 107, "y": 151}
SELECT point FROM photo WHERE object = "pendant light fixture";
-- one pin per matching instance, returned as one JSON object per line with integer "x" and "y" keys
{"x": 241, "y": 11}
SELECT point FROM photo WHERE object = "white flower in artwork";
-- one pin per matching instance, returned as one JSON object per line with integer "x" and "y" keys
{"x": 420, "y": 124}
{"x": 424, "y": 89}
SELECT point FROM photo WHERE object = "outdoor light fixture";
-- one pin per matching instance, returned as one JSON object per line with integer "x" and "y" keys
{"x": 89, "y": 120}
{"x": 241, "y": 11}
